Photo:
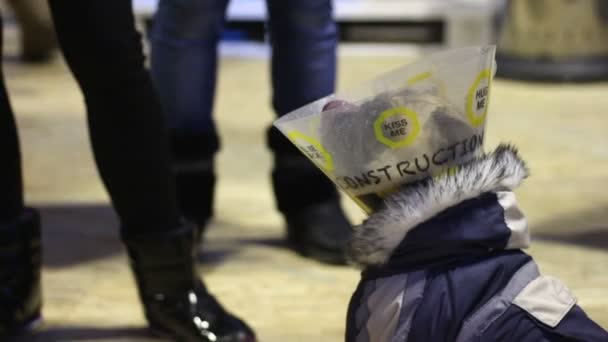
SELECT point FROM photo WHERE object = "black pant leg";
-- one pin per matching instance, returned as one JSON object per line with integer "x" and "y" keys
{"x": 11, "y": 184}
{"x": 127, "y": 127}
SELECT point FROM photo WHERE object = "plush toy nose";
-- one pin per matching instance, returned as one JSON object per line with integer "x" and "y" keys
{"x": 334, "y": 104}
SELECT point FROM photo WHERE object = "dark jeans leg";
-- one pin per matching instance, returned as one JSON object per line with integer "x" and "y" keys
{"x": 304, "y": 37}
{"x": 184, "y": 66}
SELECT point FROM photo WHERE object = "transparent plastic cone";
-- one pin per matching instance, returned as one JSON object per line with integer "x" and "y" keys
{"x": 415, "y": 122}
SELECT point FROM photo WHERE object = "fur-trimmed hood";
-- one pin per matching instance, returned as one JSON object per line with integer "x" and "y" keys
{"x": 414, "y": 205}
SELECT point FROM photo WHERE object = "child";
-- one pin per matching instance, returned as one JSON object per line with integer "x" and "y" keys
{"x": 441, "y": 251}
{"x": 442, "y": 261}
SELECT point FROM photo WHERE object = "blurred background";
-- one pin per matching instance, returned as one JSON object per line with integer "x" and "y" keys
{"x": 550, "y": 98}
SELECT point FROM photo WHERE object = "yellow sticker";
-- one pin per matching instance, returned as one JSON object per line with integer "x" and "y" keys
{"x": 428, "y": 75}
{"x": 478, "y": 98}
{"x": 420, "y": 77}
{"x": 397, "y": 127}
{"x": 313, "y": 149}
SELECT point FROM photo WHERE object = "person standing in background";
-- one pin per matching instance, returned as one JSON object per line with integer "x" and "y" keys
{"x": 303, "y": 36}
{"x": 38, "y": 41}
{"x": 131, "y": 147}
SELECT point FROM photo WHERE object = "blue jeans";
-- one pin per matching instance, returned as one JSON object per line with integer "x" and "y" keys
{"x": 303, "y": 37}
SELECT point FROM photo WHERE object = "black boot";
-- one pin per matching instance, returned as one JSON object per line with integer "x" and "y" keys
{"x": 20, "y": 262}
{"x": 319, "y": 231}
{"x": 175, "y": 300}
{"x": 316, "y": 224}
{"x": 193, "y": 168}
{"x": 195, "y": 186}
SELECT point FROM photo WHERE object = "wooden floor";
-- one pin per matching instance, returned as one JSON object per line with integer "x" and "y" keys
{"x": 88, "y": 290}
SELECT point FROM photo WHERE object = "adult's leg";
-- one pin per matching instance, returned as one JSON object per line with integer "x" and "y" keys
{"x": 130, "y": 141}
{"x": 184, "y": 63}
{"x": 20, "y": 254}
{"x": 11, "y": 184}
{"x": 304, "y": 37}
{"x": 127, "y": 127}
{"x": 37, "y": 35}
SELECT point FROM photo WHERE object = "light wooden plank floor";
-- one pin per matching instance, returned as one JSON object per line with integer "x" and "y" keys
{"x": 89, "y": 293}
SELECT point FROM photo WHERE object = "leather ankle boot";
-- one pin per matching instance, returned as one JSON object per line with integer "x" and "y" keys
{"x": 20, "y": 262}
{"x": 319, "y": 231}
{"x": 175, "y": 300}
{"x": 316, "y": 224}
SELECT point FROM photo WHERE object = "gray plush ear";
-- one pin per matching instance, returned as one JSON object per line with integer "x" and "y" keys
{"x": 374, "y": 241}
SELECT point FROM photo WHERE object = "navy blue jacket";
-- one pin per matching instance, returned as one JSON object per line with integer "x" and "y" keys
{"x": 443, "y": 262}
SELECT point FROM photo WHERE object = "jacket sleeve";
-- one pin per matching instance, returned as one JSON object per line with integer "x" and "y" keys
{"x": 375, "y": 310}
